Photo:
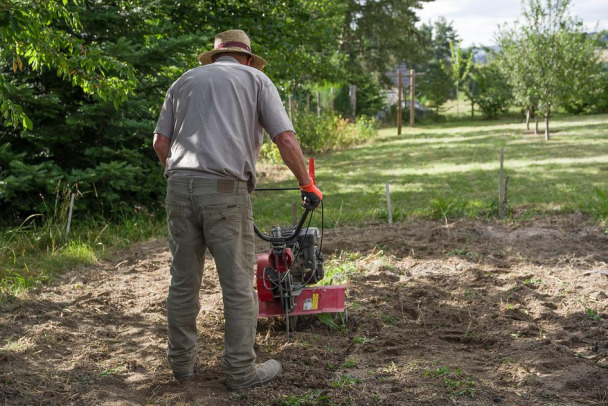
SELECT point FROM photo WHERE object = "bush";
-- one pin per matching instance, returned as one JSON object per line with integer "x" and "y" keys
{"x": 318, "y": 134}
{"x": 269, "y": 153}
{"x": 330, "y": 132}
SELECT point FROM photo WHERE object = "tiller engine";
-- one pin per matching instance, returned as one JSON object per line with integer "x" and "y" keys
{"x": 285, "y": 273}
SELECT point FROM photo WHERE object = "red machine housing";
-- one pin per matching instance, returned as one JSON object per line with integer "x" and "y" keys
{"x": 283, "y": 273}
{"x": 267, "y": 260}
{"x": 310, "y": 300}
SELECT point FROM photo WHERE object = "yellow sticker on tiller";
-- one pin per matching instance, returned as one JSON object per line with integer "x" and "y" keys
{"x": 315, "y": 301}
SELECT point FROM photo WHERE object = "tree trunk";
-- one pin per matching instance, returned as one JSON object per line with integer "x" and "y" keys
{"x": 547, "y": 127}
{"x": 536, "y": 125}
{"x": 528, "y": 119}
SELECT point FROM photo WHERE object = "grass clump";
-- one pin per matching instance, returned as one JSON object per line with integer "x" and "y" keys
{"x": 362, "y": 340}
{"x": 39, "y": 249}
{"x": 350, "y": 363}
{"x": 345, "y": 380}
{"x": 333, "y": 321}
{"x": 309, "y": 398}
{"x": 454, "y": 380}
{"x": 593, "y": 314}
{"x": 339, "y": 269}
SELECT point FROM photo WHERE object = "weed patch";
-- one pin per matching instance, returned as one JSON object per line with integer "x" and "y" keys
{"x": 454, "y": 380}
{"x": 345, "y": 380}
{"x": 309, "y": 398}
{"x": 340, "y": 269}
{"x": 333, "y": 321}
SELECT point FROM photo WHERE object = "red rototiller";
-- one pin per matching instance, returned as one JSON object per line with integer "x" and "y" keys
{"x": 294, "y": 262}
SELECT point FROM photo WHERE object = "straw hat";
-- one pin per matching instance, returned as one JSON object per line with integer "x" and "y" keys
{"x": 232, "y": 41}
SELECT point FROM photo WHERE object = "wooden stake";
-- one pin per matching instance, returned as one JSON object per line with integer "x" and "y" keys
{"x": 399, "y": 92}
{"x": 412, "y": 97}
{"x": 505, "y": 196}
{"x": 388, "y": 204}
{"x": 353, "y": 101}
{"x": 318, "y": 104}
{"x": 67, "y": 230}
{"x": 501, "y": 211}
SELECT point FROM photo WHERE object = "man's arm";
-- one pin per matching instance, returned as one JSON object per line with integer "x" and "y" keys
{"x": 294, "y": 159}
{"x": 292, "y": 156}
{"x": 161, "y": 146}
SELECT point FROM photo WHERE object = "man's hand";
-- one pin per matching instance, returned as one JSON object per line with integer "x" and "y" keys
{"x": 311, "y": 196}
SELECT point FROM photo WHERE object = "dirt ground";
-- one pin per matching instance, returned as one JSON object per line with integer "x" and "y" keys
{"x": 468, "y": 313}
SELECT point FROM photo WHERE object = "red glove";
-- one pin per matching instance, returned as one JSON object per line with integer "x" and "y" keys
{"x": 311, "y": 196}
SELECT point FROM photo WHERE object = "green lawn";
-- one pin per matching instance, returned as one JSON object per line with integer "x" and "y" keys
{"x": 451, "y": 170}
{"x": 440, "y": 171}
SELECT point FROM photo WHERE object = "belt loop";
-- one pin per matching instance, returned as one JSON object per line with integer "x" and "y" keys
{"x": 190, "y": 185}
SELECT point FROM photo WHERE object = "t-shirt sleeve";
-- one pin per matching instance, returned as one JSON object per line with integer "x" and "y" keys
{"x": 164, "y": 125}
{"x": 273, "y": 116}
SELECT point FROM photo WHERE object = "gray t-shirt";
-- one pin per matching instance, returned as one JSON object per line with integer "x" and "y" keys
{"x": 215, "y": 116}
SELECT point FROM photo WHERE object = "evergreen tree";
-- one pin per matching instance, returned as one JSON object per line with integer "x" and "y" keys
{"x": 91, "y": 111}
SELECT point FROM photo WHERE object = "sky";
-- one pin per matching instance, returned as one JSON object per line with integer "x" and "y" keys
{"x": 476, "y": 21}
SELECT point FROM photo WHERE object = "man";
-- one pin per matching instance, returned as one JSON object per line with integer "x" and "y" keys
{"x": 208, "y": 137}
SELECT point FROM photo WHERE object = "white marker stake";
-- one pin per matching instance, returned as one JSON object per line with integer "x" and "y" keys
{"x": 67, "y": 231}
{"x": 388, "y": 204}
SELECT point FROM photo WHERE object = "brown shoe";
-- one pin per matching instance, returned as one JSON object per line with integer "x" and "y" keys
{"x": 265, "y": 373}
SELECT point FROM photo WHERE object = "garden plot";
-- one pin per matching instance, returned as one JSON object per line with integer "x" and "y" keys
{"x": 468, "y": 313}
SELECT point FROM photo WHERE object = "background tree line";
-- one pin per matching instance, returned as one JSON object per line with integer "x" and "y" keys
{"x": 544, "y": 62}
{"x": 84, "y": 80}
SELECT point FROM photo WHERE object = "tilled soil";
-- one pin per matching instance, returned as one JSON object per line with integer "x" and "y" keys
{"x": 464, "y": 313}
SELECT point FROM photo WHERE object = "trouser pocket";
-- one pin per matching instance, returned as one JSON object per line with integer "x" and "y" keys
{"x": 222, "y": 222}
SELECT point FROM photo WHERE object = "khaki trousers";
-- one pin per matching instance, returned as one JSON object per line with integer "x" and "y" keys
{"x": 216, "y": 215}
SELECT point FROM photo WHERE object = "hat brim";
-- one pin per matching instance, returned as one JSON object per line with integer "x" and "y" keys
{"x": 206, "y": 58}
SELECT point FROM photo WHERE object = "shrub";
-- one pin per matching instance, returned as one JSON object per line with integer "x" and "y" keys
{"x": 330, "y": 132}
{"x": 318, "y": 134}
